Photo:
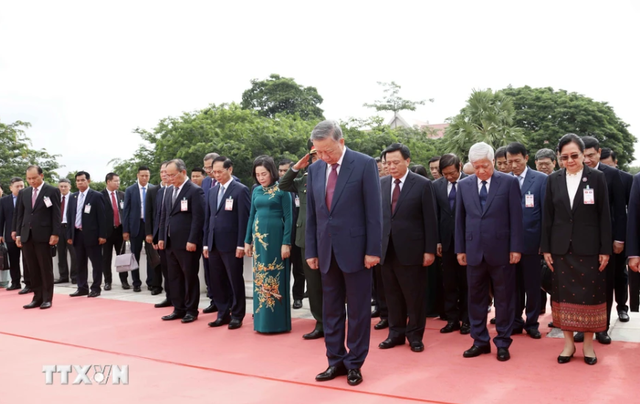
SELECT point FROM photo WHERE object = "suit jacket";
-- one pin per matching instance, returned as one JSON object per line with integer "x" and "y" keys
{"x": 535, "y": 183}
{"x": 617, "y": 201}
{"x": 93, "y": 223}
{"x": 108, "y": 209}
{"x": 586, "y": 228}
{"x": 132, "y": 209}
{"x": 627, "y": 182}
{"x": 225, "y": 229}
{"x": 494, "y": 232}
{"x": 633, "y": 223}
{"x": 413, "y": 225}
{"x": 208, "y": 183}
{"x": 183, "y": 226}
{"x": 40, "y": 222}
{"x": 353, "y": 226}
{"x": 6, "y": 216}
{"x": 446, "y": 216}
{"x": 290, "y": 183}
{"x": 151, "y": 210}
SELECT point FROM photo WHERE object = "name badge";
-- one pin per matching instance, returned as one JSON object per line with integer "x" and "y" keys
{"x": 47, "y": 201}
{"x": 184, "y": 205}
{"x": 297, "y": 201}
{"x": 528, "y": 200}
{"x": 87, "y": 209}
{"x": 588, "y": 196}
{"x": 228, "y": 204}
{"x": 121, "y": 204}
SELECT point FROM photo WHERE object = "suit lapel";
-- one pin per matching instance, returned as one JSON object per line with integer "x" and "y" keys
{"x": 404, "y": 190}
{"x": 226, "y": 192}
{"x": 343, "y": 176}
{"x": 385, "y": 186}
{"x": 528, "y": 182}
{"x": 579, "y": 198}
{"x": 176, "y": 206}
{"x": 493, "y": 190}
{"x": 39, "y": 197}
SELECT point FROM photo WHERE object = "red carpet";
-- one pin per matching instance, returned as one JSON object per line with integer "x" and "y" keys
{"x": 183, "y": 363}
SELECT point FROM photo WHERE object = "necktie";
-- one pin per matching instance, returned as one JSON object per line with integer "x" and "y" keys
{"x": 34, "y": 196}
{"x": 220, "y": 195}
{"x": 395, "y": 196}
{"x": 175, "y": 196}
{"x": 452, "y": 195}
{"x": 116, "y": 212}
{"x": 79, "y": 211}
{"x": 62, "y": 207}
{"x": 520, "y": 180}
{"x": 144, "y": 198}
{"x": 483, "y": 194}
{"x": 331, "y": 185}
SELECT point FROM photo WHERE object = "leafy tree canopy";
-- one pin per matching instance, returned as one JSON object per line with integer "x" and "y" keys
{"x": 391, "y": 101}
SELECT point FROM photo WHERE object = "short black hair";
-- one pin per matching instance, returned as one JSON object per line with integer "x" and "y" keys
{"x": 434, "y": 159}
{"x": 378, "y": 160}
{"x": 285, "y": 161}
{"x": 589, "y": 142}
{"x": 606, "y": 152}
{"x": 16, "y": 179}
{"x": 81, "y": 173}
{"x": 420, "y": 170}
{"x": 268, "y": 163}
{"x": 571, "y": 138}
{"x": 109, "y": 177}
{"x": 501, "y": 152}
{"x": 404, "y": 150}
{"x": 145, "y": 168}
{"x": 38, "y": 168}
{"x": 517, "y": 148}
{"x": 448, "y": 160}
{"x": 227, "y": 164}
{"x": 198, "y": 169}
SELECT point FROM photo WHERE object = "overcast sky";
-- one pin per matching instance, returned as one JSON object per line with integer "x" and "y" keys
{"x": 86, "y": 73}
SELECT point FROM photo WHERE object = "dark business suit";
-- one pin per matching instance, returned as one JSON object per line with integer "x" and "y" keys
{"x": 114, "y": 234}
{"x": 35, "y": 226}
{"x": 179, "y": 225}
{"x": 488, "y": 236}
{"x": 408, "y": 232}
{"x": 622, "y": 277}
{"x": 14, "y": 226}
{"x": 224, "y": 232}
{"x": 454, "y": 275}
{"x": 150, "y": 209}
{"x": 6, "y": 219}
{"x": 633, "y": 240}
{"x": 134, "y": 225}
{"x": 340, "y": 238}
{"x": 85, "y": 238}
{"x": 152, "y": 227}
{"x": 66, "y": 252}
{"x": 528, "y": 270}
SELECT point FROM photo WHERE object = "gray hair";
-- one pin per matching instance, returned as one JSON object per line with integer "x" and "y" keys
{"x": 180, "y": 165}
{"x": 546, "y": 154}
{"x": 480, "y": 151}
{"x": 210, "y": 156}
{"x": 64, "y": 180}
{"x": 325, "y": 129}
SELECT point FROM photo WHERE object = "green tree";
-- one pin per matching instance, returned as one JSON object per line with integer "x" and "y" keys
{"x": 16, "y": 155}
{"x": 546, "y": 115}
{"x": 488, "y": 117}
{"x": 282, "y": 95}
{"x": 391, "y": 101}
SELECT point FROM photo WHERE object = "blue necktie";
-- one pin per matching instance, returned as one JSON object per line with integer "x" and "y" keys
{"x": 483, "y": 194}
{"x": 452, "y": 195}
{"x": 220, "y": 195}
{"x": 144, "y": 197}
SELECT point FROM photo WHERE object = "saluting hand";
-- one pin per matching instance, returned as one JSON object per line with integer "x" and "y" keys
{"x": 302, "y": 163}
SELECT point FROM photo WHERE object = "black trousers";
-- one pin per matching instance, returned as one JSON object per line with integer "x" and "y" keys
{"x": 297, "y": 272}
{"x": 634, "y": 291}
{"x": 379, "y": 293}
{"x": 136, "y": 249}
{"x": 84, "y": 253}
{"x": 435, "y": 290}
{"x": 113, "y": 241}
{"x": 63, "y": 258}
{"x": 183, "y": 267}
{"x": 224, "y": 270}
{"x": 156, "y": 276}
{"x": 14, "y": 262}
{"x": 621, "y": 281}
{"x": 454, "y": 280}
{"x": 40, "y": 264}
{"x": 405, "y": 292}
{"x": 164, "y": 268}
{"x": 528, "y": 280}
{"x": 314, "y": 289}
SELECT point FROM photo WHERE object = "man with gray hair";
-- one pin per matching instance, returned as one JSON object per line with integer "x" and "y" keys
{"x": 343, "y": 241}
{"x": 489, "y": 240}
{"x": 545, "y": 161}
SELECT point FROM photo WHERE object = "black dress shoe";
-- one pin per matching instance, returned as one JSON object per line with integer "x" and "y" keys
{"x": 579, "y": 337}
{"x": 107, "y": 286}
{"x": 210, "y": 309}
{"x": 389, "y": 343}
{"x": 382, "y": 324}
{"x": 173, "y": 316}
{"x": 417, "y": 346}
{"x": 297, "y": 304}
{"x": 603, "y": 338}
{"x": 125, "y": 285}
{"x": 550, "y": 325}
{"x": 623, "y": 316}
{"x": 93, "y": 293}
{"x": 477, "y": 351}
{"x": 220, "y": 322}
{"x": 189, "y": 318}
{"x": 32, "y": 305}
{"x": 156, "y": 291}
{"x": 450, "y": 327}
{"x": 465, "y": 329}
{"x": 354, "y": 377}
{"x": 518, "y": 330}
{"x": 375, "y": 314}
{"x": 162, "y": 304}
{"x": 566, "y": 359}
{"x": 79, "y": 292}
{"x": 315, "y": 334}
{"x": 59, "y": 281}
{"x": 13, "y": 287}
{"x": 25, "y": 290}
{"x": 45, "y": 305}
{"x": 503, "y": 354}
{"x": 493, "y": 320}
{"x": 235, "y": 324}
{"x": 590, "y": 361}
{"x": 331, "y": 373}
{"x": 535, "y": 334}
{"x": 137, "y": 289}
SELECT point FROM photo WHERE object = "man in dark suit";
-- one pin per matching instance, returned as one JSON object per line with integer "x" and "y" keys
{"x": 618, "y": 206}
{"x": 489, "y": 239}
{"x": 633, "y": 228}
{"x": 454, "y": 275}
{"x": 533, "y": 185}
{"x": 7, "y": 208}
{"x": 133, "y": 217}
{"x": 37, "y": 227}
{"x": 87, "y": 233}
{"x": 150, "y": 208}
{"x": 409, "y": 239}
{"x": 66, "y": 251}
{"x": 227, "y": 208}
{"x": 181, "y": 226}
{"x": 343, "y": 241}
{"x": 114, "y": 204}
{"x": 207, "y": 183}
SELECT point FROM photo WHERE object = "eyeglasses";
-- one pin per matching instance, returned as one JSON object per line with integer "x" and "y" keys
{"x": 218, "y": 172}
{"x": 208, "y": 168}
{"x": 573, "y": 156}
{"x": 544, "y": 164}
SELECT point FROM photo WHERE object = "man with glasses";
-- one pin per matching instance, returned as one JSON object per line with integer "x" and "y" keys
{"x": 545, "y": 161}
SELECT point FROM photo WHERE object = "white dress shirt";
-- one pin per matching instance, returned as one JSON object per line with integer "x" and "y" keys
{"x": 66, "y": 207}
{"x": 401, "y": 184}
{"x": 480, "y": 185}
{"x": 573, "y": 183}
{"x": 344, "y": 150}
{"x": 142, "y": 201}
{"x": 449, "y": 185}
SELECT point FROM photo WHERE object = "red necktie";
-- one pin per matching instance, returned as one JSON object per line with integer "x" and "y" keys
{"x": 116, "y": 212}
{"x": 395, "y": 196}
{"x": 331, "y": 184}
{"x": 34, "y": 196}
{"x": 62, "y": 208}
